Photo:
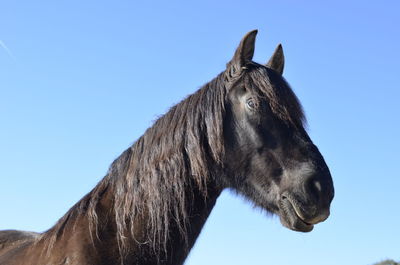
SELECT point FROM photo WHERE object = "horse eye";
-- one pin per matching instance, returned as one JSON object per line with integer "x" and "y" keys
{"x": 250, "y": 103}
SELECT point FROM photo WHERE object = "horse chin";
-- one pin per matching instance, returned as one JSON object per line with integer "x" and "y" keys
{"x": 290, "y": 219}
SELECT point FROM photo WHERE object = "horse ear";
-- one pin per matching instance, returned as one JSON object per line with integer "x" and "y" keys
{"x": 244, "y": 53}
{"x": 277, "y": 60}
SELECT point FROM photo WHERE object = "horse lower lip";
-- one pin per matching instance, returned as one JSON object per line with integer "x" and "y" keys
{"x": 298, "y": 223}
{"x": 297, "y": 211}
{"x": 299, "y": 215}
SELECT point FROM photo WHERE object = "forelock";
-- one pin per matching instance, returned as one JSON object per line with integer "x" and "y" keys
{"x": 281, "y": 98}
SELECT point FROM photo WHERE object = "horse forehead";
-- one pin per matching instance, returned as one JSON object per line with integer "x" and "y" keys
{"x": 258, "y": 78}
{"x": 273, "y": 88}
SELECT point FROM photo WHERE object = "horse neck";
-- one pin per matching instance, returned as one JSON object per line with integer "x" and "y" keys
{"x": 140, "y": 251}
{"x": 100, "y": 242}
{"x": 198, "y": 211}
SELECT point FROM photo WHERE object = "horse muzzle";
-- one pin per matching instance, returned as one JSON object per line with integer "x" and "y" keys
{"x": 299, "y": 216}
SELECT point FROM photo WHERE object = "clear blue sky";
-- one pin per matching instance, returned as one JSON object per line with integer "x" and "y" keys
{"x": 81, "y": 80}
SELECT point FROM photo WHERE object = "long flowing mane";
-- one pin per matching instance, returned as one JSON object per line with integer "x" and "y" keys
{"x": 150, "y": 177}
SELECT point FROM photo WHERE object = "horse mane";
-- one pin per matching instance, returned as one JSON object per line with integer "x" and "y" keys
{"x": 178, "y": 151}
{"x": 151, "y": 176}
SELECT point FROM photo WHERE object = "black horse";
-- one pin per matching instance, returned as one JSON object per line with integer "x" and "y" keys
{"x": 244, "y": 131}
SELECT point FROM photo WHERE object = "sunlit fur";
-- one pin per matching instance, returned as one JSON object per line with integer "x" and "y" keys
{"x": 177, "y": 151}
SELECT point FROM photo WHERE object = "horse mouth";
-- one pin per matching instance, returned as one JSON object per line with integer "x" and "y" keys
{"x": 291, "y": 215}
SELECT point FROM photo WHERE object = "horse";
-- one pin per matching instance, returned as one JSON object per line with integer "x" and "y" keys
{"x": 244, "y": 130}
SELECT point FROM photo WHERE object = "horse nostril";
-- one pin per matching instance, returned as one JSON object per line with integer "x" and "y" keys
{"x": 317, "y": 186}
{"x": 314, "y": 187}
